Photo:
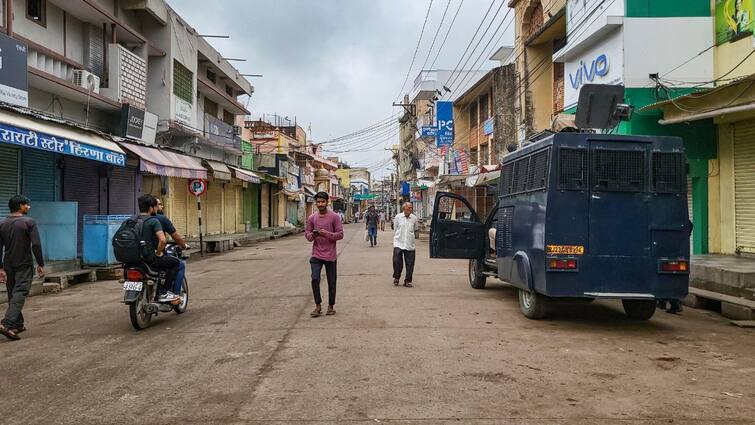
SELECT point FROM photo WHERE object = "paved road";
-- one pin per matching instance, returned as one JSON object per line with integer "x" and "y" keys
{"x": 440, "y": 353}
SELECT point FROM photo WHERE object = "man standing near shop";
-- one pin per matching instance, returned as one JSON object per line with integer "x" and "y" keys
{"x": 324, "y": 229}
{"x": 405, "y": 225}
{"x": 372, "y": 221}
{"x": 19, "y": 238}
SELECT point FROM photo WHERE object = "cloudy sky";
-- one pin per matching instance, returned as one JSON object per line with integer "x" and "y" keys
{"x": 337, "y": 65}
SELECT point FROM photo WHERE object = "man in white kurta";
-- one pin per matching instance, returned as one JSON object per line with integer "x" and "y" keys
{"x": 405, "y": 226}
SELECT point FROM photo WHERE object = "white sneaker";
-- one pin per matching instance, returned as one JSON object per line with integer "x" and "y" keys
{"x": 168, "y": 297}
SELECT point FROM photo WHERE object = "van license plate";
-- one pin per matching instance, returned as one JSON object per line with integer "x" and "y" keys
{"x": 565, "y": 250}
{"x": 132, "y": 286}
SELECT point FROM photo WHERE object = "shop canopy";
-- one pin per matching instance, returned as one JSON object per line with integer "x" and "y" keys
{"x": 167, "y": 163}
{"x": 219, "y": 170}
{"x": 246, "y": 175}
{"x": 33, "y": 131}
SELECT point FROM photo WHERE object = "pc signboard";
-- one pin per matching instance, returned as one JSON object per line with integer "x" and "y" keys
{"x": 445, "y": 120}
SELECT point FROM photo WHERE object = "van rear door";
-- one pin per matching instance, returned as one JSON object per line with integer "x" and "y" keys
{"x": 618, "y": 199}
{"x": 456, "y": 230}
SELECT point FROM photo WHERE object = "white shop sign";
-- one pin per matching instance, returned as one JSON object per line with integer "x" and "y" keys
{"x": 602, "y": 63}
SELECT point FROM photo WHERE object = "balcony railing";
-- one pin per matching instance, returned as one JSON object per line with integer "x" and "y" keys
{"x": 220, "y": 133}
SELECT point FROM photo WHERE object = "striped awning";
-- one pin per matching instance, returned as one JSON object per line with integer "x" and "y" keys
{"x": 245, "y": 175}
{"x": 166, "y": 163}
{"x": 219, "y": 170}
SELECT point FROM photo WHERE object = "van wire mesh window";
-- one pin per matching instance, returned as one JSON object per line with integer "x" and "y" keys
{"x": 618, "y": 170}
{"x": 668, "y": 172}
{"x": 504, "y": 229}
{"x": 572, "y": 163}
{"x": 507, "y": 176}
{"x": 538, "y": 173}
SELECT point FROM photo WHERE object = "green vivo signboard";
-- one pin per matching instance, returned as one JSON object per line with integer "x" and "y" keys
{"x": 734, "y": 20}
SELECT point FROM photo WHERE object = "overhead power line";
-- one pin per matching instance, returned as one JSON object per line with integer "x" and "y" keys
{"x": 416, "y": 49}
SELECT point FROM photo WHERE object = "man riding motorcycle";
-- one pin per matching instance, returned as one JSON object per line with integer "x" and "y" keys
{"x": 170, "y": 229}
{"x": 153, "y": 232}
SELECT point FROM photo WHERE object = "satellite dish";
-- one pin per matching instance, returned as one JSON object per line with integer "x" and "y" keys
{"x": 601, "y": 106}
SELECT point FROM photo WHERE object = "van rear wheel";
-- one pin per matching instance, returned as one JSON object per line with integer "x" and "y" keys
{"x": 477, "y": 279}
{"x": 533, "y": 305}
{"x": 639, "y": 309}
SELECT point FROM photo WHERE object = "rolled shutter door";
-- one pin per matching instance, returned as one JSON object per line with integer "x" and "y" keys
{"x": 214, "y": 200}
{"x": 81, "y": 184}
{"x": 38, "y": 175}
{"x": 178, "y": 213}
{"x": 744, "y": 185}
{"x": 689, "y": 212}
{"x": 8, "y": 177}
{"x": 122, "y": 191}
{"x": 229, "y": 210}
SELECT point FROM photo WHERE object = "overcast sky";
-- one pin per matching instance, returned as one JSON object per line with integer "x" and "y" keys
{"x": 337, "y": 65}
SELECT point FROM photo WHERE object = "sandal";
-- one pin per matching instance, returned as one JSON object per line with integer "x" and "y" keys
{"x": 395, "y": 282}
{"x": 9, "y": 333}
{"x": 408, "y": 284}
{"x": 316, "y": 313}
{"x": 331, "y": 311}
{"x": 19, "y": 330}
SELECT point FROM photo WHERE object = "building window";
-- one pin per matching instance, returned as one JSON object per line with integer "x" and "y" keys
{"x": 484, "y": 155}
{"x": 210, "y": 107}
{"x": 211, "y": 77}
{"x": 228, "y": 117}
{"x": 183, "y": 82}
{"x": 473, "y": 115}
{"x": 484, "y": 107}
{"x": 473, "y": 156}
{"x": 229, "y": 91}
{"x": 36, "y": 10}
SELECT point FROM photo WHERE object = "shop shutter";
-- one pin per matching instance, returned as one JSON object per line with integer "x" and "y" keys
{"x": 247, "y": 204}
{"x": 689, "y": 212}
{"x": 255, "y": 202}
{"x": 81, "y": 183}
{"x": 8, "y": 177}
{"x": 213, "y": 207}
{"x": 265, "y": 203}
{"x": 179, "y": 196}
{"x": 38, "y": 175}
{"x": 229, "y": 208}
{"x": 744, "y": 185}
{"x": 122, "y": 191}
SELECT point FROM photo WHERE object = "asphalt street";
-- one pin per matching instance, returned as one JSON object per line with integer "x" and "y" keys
{"x": 439, "y": 353}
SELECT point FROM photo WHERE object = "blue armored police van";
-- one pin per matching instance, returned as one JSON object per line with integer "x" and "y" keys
{"x": 579, "y": 216}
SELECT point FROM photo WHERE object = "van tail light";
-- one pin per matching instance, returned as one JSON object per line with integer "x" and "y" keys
{"x": 675, "y": 266}
{"x": 134, "y": 275}
{"x": 562, "y": 264}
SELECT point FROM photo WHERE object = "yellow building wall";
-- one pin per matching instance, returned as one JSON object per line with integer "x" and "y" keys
{"x": 343, "y": 174}
{"x": 721, "y": 230}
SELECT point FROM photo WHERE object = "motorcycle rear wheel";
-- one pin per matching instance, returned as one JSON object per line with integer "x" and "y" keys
{"x": 181, "y": 308}
{"x": 140, "y": 319}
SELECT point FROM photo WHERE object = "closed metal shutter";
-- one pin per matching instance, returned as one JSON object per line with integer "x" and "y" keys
{"x": 744, "y": 185}
{"x": 38, "y": 175}
{"x": 81, "y": 183}
{"x": 180, "y": 203}
{"x": 229, "y": 208}
{"x": 265, "y": 202}
{"x": 122, "y": 191}
{"x": 214, "y": 212}
{"x": 689, "y": 212}
{"x": 8, "y": 177}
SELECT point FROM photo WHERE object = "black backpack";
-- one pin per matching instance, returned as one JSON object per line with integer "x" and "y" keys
{"x": 129, "y": 245}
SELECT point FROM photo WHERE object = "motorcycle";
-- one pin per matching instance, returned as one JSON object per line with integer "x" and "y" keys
{"x": 142, "y": 289}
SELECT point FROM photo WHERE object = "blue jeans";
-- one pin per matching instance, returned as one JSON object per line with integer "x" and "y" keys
{"x": 372, "y": 233}
{"x": 179, "y": 283}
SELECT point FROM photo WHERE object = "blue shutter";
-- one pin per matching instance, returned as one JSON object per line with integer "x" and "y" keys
{"x": 38, "y": 175}
{"x": 8, "y": 177}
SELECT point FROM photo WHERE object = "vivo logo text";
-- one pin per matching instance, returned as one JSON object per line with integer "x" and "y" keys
{"x": 584, "y": 74}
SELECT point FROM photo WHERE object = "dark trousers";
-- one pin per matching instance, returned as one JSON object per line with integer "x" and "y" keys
{"x": 170, "y": 266}
{"x": 330, "y": 271}
{"x": 401, "y": 256}
{"x": 18, "y": 286}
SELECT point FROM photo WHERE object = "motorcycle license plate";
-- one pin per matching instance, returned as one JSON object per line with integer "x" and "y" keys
{"x": 132, "y": 286}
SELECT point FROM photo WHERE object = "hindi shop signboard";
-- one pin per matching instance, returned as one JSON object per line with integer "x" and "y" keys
{"x": 37, "y": 140}
{"x": 445, "y": 120}
{"x": 13, "y": 73}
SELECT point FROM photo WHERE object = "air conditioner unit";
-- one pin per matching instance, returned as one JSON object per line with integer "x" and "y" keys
{"x": 237, "y": 130}
{"x": 87, "y": 80}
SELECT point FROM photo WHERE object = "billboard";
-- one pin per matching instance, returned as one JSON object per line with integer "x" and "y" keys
{"x": 734, "y": 20}
{"x": 445, "y": 119}
{"x": 13, "y": 77}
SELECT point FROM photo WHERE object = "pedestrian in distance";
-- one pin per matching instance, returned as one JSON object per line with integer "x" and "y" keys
{"x": 404, "y": 244}
{"x": 372, "y": 222}
{"x": 19, "y": 239}
{"x": 382, "y": 221}
{"x": 323, "y": 229}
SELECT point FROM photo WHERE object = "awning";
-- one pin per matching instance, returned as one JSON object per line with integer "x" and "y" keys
{"x": 245, "y": 175}
{"x": 485, "y": 179}
{"x": 219, "y": 170}
{"x": 34, "y": 132}
{"x": 167, "y": 163}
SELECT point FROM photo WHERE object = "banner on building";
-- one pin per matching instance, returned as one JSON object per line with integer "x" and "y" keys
{"x": 13, "y": 77}
{"x": 445, "y": 119}
{"x": 734, "y": 20}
